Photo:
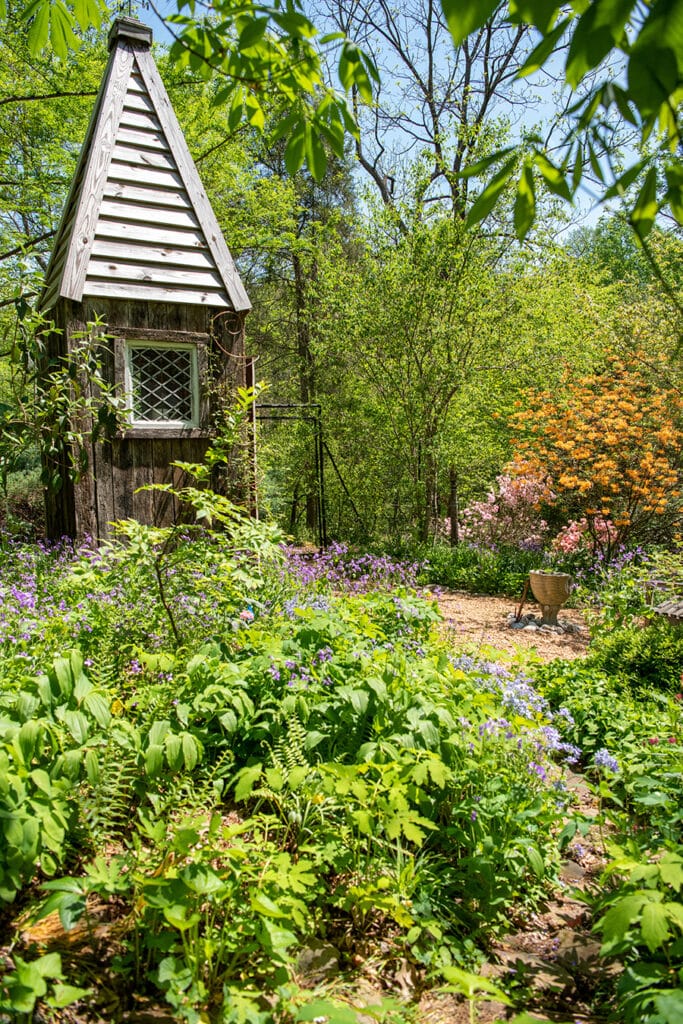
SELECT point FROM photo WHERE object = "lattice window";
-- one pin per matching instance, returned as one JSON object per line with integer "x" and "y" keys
{"x": 162, "y": 383}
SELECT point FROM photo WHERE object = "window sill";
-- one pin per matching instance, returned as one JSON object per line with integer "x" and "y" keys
{"x": 163, "y": 430}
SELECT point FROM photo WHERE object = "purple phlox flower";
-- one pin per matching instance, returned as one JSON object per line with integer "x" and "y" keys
{"x": 538, "y": 769}
{"x": 565, "y": 715}
{"x": 324, "y": 654}
{"x": 603, "y": 759}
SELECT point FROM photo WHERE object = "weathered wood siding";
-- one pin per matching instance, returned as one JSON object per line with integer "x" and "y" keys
{"x": 135, "y": 458}
{"x": 139, "y": 247}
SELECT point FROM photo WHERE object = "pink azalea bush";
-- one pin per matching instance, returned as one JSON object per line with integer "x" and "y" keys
{"x": 583, "y": 535}
{"x": 510, "y": 513}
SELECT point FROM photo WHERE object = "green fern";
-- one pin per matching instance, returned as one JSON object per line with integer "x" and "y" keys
{"x": 108, "y": 798}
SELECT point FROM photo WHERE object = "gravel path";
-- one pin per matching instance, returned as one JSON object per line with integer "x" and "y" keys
{"x": 478, "y": 623}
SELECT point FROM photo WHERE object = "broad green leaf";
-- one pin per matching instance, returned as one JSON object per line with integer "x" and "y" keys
{"x": 254, "y": 111}
{"x": 191, "y": 751}
{"x": 625, "y": 180}
{"x": 39, "y": 29}
{"x": 598, "y": 30}
{"x": 540, "y": 13}
{"x": 670, "y": 1006}
{"x": 488, "y": 198}
{"x": 98, "y": 707}
{"x": 296, "y": 147}
{"x": 671, "y": 868}
{"x": 179, "y": 916}
{"x": 656, "y": 61}
{"x": 644, "y": 212}
{"x": 78, "y": 725}
{"x": 535, "y": 860}
{"x": 65, "y": 995}
{"x": 539, "y": 55}
{"x": 42, "y": 780}
{"x": 654, "y": 926}
{"x": 316, "y": 157}
{"x": 158, "y": 731}
{"x": 154, "y": 759}
{"x": 331, "y": 1013}
{"x": 263, "y": 904}
{"x": 252, "y": 33}
{"x": 555, "y": 179}
{"x": 617, "y": 922}
{"x": 482, "y": 165}
{"x": 363, "y": 821}
{"x": 88, "y": 14}
{"x": 27, "y": 739}
{"x": 246, "y": 779}
{"x": 62, "y": 37}
{"x": 174, "y": 752}
{"x": 525, "y": 203}
{"x": 465, "y": 16}
{"x": 49, "y": 965}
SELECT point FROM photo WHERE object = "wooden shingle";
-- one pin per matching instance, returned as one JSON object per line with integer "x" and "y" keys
{"x": 138, "y": 224}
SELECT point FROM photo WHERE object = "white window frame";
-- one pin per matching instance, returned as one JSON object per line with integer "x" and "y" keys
{"x": 141, "y": 343}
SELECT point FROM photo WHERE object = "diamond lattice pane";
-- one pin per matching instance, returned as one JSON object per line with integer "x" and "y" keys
{"x": 161, "y": 380}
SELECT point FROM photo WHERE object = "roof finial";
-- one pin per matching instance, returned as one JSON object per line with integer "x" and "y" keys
{"x": 130, "y": 29}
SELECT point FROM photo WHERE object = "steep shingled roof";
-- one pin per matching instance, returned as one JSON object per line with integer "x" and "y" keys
{"x": 137, "y": 223}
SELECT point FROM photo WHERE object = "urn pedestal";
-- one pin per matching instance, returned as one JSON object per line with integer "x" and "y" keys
{"x": 551, "y": 590}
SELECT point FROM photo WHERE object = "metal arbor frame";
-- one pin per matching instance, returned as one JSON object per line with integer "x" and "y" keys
{"x": 307, "y": 412}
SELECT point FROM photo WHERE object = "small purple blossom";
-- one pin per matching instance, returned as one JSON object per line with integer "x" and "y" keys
{"x": 603, "y": 759}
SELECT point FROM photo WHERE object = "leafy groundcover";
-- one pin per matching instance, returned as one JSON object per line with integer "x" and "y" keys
{"x": 216, "y": 759}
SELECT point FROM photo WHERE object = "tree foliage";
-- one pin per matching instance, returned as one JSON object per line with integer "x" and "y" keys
{"x": 623, "y": 62}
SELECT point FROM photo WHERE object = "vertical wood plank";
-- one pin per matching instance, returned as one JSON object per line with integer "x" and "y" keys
{"x": 142, "y": 474}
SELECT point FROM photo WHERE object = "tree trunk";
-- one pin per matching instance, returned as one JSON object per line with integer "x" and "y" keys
{"x": 453, "y": 509}
{"x": 306, "y": 372}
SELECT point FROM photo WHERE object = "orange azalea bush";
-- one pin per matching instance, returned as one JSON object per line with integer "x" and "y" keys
{"x": 611, "y": 444}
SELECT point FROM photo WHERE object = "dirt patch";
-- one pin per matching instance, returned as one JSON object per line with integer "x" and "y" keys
{"x": 478, "y": 624}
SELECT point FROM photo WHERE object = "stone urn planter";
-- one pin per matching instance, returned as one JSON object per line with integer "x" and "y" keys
{"x": 551, "y": 590}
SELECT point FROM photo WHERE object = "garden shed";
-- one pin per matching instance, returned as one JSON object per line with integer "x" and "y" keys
{"x": 139, "y": 249}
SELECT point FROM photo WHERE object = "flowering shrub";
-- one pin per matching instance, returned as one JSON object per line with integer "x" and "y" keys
{"x": 581, "y": 535}
{"x": 510, "y": 514}
{"x": 611, "y": 443}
